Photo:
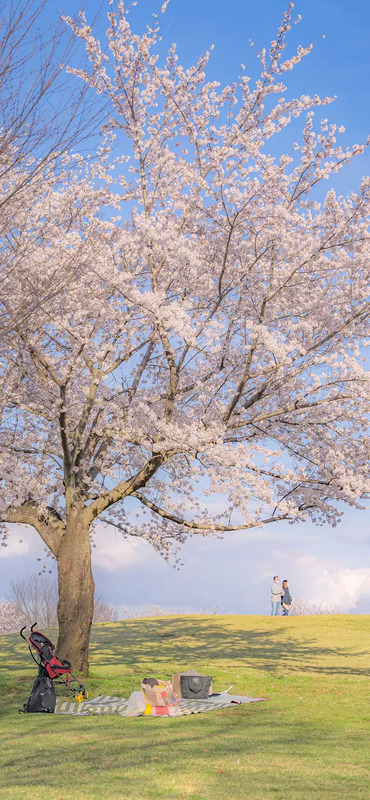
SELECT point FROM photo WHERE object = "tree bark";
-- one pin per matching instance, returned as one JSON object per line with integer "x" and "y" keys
{"x": 76, "y": 593}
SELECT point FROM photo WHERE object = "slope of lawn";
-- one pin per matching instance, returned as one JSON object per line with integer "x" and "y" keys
{"x": 309, "y": 740}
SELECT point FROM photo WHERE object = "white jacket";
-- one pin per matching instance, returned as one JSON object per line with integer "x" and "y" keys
{"x": 275, "y": 592}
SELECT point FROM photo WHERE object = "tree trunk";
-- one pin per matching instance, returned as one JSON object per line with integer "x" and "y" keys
{"x": 76, "y": 594}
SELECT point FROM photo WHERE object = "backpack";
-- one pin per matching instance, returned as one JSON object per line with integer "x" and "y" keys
{"x": 42, "y": 697}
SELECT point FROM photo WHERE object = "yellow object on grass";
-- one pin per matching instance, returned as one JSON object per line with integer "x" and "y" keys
{"x": 82, "y": 695}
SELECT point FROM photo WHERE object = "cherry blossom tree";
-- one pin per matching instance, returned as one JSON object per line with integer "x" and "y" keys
{"x": 202, "y": 370}
{"x": 43, "y": 112}
{"x": 10, "y": 617}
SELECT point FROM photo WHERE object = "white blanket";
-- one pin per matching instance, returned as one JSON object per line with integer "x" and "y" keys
{"x": 105, "y": 704}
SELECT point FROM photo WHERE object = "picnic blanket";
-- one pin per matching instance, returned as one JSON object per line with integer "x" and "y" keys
{"x": 105, "y": 704}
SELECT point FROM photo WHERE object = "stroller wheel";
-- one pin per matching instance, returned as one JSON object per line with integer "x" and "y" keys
{"x": 82, "y": 695}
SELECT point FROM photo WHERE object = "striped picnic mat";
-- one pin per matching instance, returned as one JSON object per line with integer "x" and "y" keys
{"x": 105, "y": 704}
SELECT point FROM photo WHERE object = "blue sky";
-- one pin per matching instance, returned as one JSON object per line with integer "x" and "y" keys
{"x": 326, "y": 565}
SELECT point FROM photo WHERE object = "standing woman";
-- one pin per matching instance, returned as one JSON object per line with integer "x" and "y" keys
{"x": 286, "y": 599}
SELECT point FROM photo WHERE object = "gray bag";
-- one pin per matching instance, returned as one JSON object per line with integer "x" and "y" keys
{"x": 195, "y": 687}
{"x": 176, "y": 681}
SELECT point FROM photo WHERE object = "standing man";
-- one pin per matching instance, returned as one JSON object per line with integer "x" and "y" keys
{"x": 276, "y": 594}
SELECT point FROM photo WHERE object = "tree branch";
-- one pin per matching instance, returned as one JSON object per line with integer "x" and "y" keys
{"x": 202, "y": 526}
{"x": 49, "y": 525}
{"x": 127, "y": 487}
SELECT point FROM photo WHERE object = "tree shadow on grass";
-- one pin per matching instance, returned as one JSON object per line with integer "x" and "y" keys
{"x": 110, "y": 752}
{"x": 213, "y": 641}
{"x": 204, "y": 643}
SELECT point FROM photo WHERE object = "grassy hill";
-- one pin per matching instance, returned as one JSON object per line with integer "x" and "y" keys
{"x": 308, "y": 741}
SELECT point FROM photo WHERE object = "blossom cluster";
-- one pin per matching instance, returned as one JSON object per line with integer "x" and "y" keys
{"x": 183, "y": 318}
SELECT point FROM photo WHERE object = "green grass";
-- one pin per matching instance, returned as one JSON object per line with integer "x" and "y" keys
{"x": 309, "y": 741}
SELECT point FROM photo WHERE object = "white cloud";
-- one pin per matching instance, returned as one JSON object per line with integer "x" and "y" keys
{"x": 111, "y": 551}
{"x": 344, "y": 587}
{"x": 22, "y": 541}
{"x": 114, "y": 553}
{"x": 322, "y": 581}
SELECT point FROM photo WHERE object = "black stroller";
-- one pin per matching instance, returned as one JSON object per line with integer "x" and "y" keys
{"x": 43, "y": 696}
